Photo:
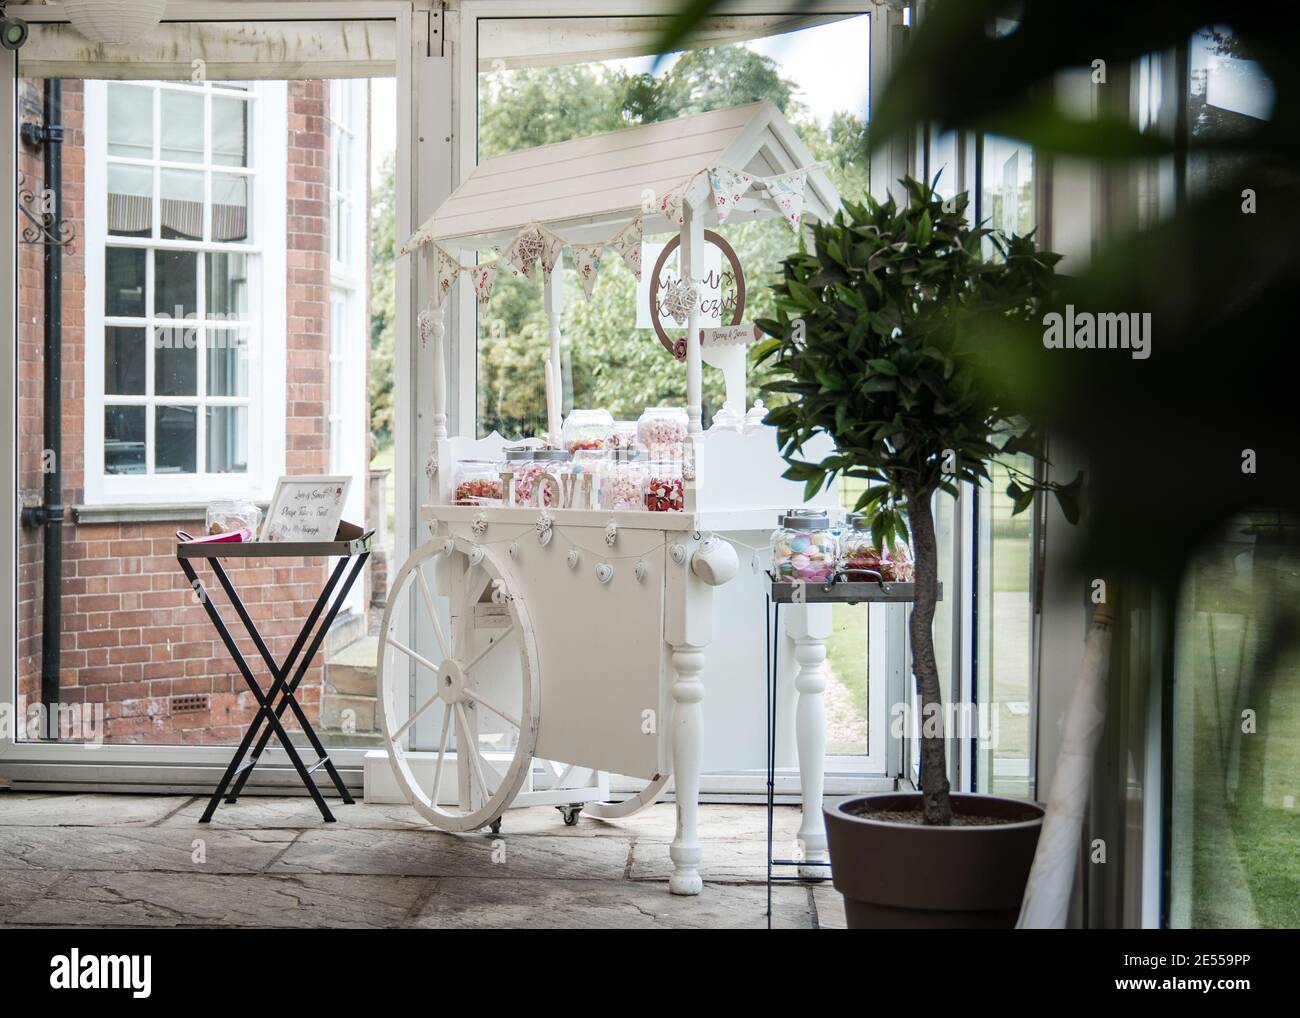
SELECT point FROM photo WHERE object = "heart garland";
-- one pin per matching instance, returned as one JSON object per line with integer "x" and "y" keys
{"x": 523, "y": 253}
{"x": 424, "y": 321}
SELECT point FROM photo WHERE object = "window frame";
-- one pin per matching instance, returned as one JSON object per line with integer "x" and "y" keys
{"x": 268, "y": 146}
{"x": 346, "y": 405}
{"x": 844, "y": 774}
{"x": 342, "y": 197}
{"x": 462, "y": 374}
{"x": 178, "y": 768}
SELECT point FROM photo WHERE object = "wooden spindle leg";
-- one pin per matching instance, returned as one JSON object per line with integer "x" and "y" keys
{"x": 688, "y": 722}
{"x": 809, "y": 626}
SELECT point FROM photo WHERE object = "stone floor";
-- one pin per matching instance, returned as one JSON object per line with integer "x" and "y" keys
{"x": 144, "y": 861}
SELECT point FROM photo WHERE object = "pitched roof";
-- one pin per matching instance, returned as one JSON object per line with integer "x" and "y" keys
{"x": 579, "y": 188}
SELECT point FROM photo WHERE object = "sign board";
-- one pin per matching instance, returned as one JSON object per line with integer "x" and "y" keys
{"x": 711, "y": 292}
{"x": 721, "y": 293}
{"x": 731, "y": 335}
{"x": 306, "y": 508}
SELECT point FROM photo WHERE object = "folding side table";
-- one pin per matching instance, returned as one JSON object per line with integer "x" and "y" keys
{"x": 785, "y": 592}
{"x": 281, "y": 694}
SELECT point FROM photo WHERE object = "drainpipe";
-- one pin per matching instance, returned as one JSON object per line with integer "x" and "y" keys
{"x": 49, "y": 136}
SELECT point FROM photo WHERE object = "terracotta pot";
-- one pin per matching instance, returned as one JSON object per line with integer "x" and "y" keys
{"x": 899, "y": 875}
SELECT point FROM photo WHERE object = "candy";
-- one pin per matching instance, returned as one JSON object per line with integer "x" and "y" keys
{"x": 525, "y": 479}
{"x": 586, "y": 429}
{"x": 899, "y": 565}
{"x": 474, "y": 492}
{"x": 665, "y": 494}
{"x": 622, "y": 484}
{"x": 862, "y": 563}
{"x": 623, "y": 436}
{"x": 662, "y": 430}
{"x": 807, "y": 556}
{"x": 860, "y": 556}
{"x": 623, "y": 492}
{"x": 811, "y": 565}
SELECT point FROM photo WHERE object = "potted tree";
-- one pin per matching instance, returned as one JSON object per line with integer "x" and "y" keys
{"x": 880, "y": 340}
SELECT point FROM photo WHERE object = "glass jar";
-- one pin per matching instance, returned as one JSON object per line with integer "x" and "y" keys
{"x": 622, "y": 436}
{"x": 728, "y": 418}
{"x": 586, "y": 429}
{"x": 661, "y": 431}
{"x": 587, "y": 469}
{"x": 804, "y": 547}
{"x": 553, "y": 463}
{"x": 478, "y": 482}
{"x": 860, "y": 559}
{"x": 898, "y": 566}
{"x": 623, "y": 482}
{"x": 228, "y": 515}
{"x": 664, "y": 489}
{"x": 519, "y": 465}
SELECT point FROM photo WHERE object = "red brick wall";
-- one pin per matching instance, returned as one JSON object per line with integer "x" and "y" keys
{"x": 134, "y": 635}
{"x": 308, "y": 260}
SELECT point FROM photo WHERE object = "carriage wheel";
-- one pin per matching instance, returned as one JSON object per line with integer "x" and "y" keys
{"x": 487, "y": 704}
{"x": 631, "y": 806}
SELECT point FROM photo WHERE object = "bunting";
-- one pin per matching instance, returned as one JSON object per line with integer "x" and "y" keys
{"x": 787, "y": 195}
{"x": 535, "y": 244}
{"x": 417, "y": 240}
{"x": 673, "y": 204}
{"x": 586, "y": 259}
{"x": 523, "y": 253}
{"x": 627, "y": 242}
{"x": 728, "y": 187}
{"x": 485, "y": 277}
{"x": 552, "y": 251}
{"x": 445, "y": 269}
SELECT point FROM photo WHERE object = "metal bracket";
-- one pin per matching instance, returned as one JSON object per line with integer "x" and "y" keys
{"x": 42, "y": 227}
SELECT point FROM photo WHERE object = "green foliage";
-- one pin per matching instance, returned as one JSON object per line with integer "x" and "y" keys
{"x": 876, "y": 343}
{"x": 527, "y": 107}
{"x": 708, "y": 79}
{"x": 534, "y": 106}
{"x": 1219, "y": 284}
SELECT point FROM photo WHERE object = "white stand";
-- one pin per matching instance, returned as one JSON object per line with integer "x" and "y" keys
{"x": 809, "y": 626}
{"x": 438, "y": 330}
{"x": 553, "y": 297}
{"x": 690, "y": 259}
{"x": 730, "y": 360}
{"x": 687, "y": 732}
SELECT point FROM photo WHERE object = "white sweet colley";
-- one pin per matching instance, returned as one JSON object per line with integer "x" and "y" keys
{"x": 529, "y": 652}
